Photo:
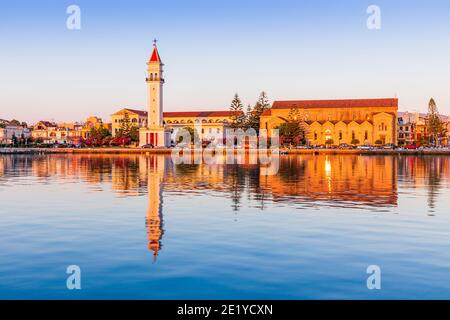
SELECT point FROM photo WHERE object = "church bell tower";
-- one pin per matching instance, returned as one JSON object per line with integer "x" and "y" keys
{"x": 155, "y": 134}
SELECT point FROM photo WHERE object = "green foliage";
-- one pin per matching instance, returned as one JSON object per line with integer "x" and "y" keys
{"x": 192, "y": 132}
{"x": 254, "y": 115}
{"x": 291, "y": 132}
{"x": 125, "y": 126}
{"x": 434, "y": 123}
{"x": 329, "y": 142}
{"x": 134, "y": 134}
{"x": 378, "y": 142}
{"x": 238, "y": 118}
{"x": 99, "y": 133}
{"x": 15, "y": 122}
{"x": 354, "y": 141}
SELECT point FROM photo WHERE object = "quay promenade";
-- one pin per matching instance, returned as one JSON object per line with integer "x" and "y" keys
{"x": 4, "y": 151}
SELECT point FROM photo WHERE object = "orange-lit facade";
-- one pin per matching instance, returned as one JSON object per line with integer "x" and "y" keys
{"x": 355, "y": 121}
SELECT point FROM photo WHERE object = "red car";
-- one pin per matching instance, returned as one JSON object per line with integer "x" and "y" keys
{"x": 411, "y": 146}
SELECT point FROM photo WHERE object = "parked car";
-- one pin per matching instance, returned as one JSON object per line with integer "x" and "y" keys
{"x": 345, "y": 146}
{"x": 364, "y": 147}
{"x": 411, "y": 146}
{"x": 388, "y": 146}
{"x": 147, "y": 146}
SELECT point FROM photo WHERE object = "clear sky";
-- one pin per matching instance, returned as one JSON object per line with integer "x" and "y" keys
{"x": 211, "y": 49}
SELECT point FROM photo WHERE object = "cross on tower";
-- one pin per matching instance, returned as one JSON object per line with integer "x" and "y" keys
{"x": 154, "y": 42}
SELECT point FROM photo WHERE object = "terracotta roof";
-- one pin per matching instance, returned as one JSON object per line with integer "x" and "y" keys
{"x": 199, "y": 114}
{"x": 139, "y": 112}
{"x": 48, "y": 123}
{"x": 266, "y": 112}
{"x": 347, "y": 103}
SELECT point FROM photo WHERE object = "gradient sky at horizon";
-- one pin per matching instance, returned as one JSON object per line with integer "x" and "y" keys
{"x": 212, "y": 49}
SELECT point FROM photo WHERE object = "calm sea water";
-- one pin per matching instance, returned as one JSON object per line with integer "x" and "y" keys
{"x": 142, "y": 227}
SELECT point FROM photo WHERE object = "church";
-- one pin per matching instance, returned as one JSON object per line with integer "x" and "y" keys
{"x": 349, "y": 121}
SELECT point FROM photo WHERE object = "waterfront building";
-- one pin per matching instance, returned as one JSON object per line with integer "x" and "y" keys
{"x": 66, "y": 133}
{"x": 9, "y": 132}
{"x": 44, "y": 131}
{"x": 354, "y": 121}
{"x": 93, "y": 122}
{"x": 210, "y": 125}
{"x": 137, "y": 118}
{"x": 406, "y": 130}
{"x": 418, "y": 123}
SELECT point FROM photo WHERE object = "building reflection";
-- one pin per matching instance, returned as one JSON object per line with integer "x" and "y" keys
{"x": 154, "y": 167}
{"x": 369, "y": 182}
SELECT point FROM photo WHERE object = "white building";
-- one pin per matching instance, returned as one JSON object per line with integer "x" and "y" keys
{"x": 8, "y": 133}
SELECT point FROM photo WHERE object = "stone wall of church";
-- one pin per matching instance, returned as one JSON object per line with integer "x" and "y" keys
{"x": 341, "y": 125}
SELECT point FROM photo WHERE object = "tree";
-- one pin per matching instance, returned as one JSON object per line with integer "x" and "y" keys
{"x": 355, "y": 141}
{"x": 435, "y": 126}
{"x": 249, "y": 118}
{"x": 254, "y": 117}
{"x": 125, "y": 126}
{"x": 378, "y": 142}
{"x": 15, "y": 122}
{"x": 192, "y": 132}
{"x": 134, "y": 134}
{"x": 293, "y": 131}
{"x": 14, "y": 140}
{"x": 237, "y": 116}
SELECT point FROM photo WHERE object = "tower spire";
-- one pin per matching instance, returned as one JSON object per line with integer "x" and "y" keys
{"x": 155, "y": 55}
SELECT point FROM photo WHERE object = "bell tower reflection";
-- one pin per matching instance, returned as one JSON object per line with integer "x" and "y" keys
{"x": 155, "y": 167}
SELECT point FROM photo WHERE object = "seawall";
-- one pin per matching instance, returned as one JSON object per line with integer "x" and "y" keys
{"x": 169, "y": 151}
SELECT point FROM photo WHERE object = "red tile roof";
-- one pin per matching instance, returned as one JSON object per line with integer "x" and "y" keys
{"x": 48, "y": 123}
{"x": 199, "y": 114}
{"x": 142, "y": 113}
{"x": 347, "y": 103}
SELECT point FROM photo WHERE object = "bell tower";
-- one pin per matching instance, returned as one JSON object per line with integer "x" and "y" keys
{"x": 155, "y": 133}
{"x": 155, "y": 82}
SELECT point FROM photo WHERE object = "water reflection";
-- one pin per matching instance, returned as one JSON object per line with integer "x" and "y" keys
{"x": 304, "y": 181}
